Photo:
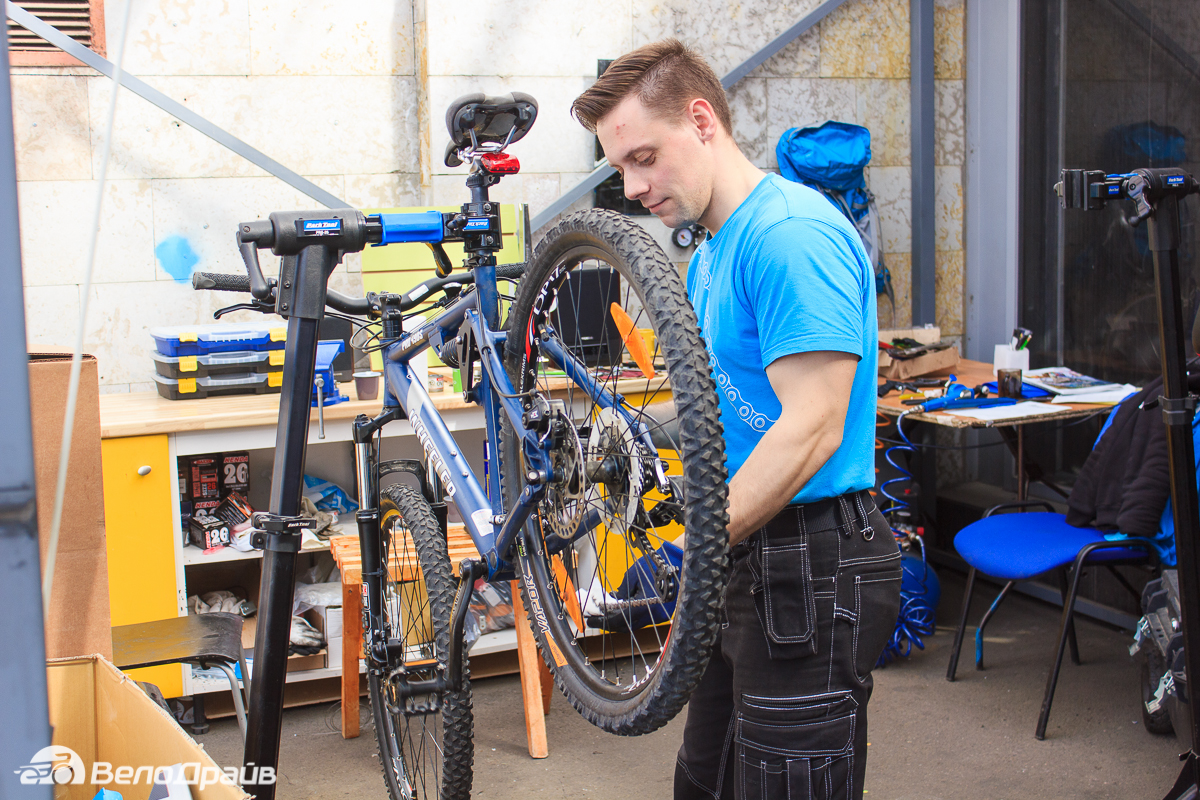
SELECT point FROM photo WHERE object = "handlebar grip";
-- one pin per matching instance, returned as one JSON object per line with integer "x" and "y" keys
{"x": 220, "y": 282}
{"x": 510, "y": 271}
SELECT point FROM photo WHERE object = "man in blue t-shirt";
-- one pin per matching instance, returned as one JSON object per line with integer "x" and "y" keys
{"x": 786, "y": 302}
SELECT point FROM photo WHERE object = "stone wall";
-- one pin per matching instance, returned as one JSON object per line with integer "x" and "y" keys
{"x": 352, "y": 96}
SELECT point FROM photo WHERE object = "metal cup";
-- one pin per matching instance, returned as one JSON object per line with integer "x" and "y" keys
{"x": 1008, "y": 382}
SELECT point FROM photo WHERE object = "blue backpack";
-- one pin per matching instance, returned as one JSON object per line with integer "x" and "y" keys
{"x": 831, "y": 158}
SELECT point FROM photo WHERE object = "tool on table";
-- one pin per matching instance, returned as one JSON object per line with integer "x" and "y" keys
{"x": 958, "y": 396}
{"x": 1020, "y": 338}
{"x": 904, "y": 348}
{"x": 913, "y": 385}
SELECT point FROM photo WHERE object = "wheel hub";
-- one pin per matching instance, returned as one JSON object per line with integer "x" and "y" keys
{"x": 613, "y": 470}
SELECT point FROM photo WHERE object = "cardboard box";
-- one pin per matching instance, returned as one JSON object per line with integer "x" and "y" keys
{"x": 235, "y": 473}
{"x": 902, "y": 369}
{"x": 105, "y": 718}
{"x": 328, "y": 620}
{"x": 928, "y": 335}
{"x": 333, "y": 652}
{"x": 78, "y": 621}
{"x": 204, "y": 477}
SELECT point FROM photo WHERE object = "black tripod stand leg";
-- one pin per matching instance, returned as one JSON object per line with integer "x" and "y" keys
{"x": 279, "y": 565}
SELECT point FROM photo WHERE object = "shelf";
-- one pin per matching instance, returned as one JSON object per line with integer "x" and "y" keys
{"x": 205, "y": 683}
{"x": 495, "y": 642}
{"x": 194, "y": 555}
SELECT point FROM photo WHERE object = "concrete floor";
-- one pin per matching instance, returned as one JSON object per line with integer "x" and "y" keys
{"x": 930, "y": 740}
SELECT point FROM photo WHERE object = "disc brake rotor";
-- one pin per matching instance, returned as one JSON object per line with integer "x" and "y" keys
{"x": 566, "y": 495}
{"x": 614, "y": 470}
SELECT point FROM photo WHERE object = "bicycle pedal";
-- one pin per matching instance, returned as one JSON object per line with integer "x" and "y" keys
{"x": 414, "y": 709}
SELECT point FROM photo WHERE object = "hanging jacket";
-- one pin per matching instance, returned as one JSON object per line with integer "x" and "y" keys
{"x": 1125, "y": 482}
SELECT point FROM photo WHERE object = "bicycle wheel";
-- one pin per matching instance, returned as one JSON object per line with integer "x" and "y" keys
{"x": 425, "y": 752}
{"x": 624, "y": 622}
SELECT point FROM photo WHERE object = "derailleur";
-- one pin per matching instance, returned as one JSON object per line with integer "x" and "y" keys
{"x": 670, "y": 508}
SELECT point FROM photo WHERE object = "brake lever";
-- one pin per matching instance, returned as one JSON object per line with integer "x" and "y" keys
{"x": 261, "y": 307}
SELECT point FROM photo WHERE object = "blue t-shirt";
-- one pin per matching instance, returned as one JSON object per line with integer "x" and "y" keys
{"x": 787, "y": 274}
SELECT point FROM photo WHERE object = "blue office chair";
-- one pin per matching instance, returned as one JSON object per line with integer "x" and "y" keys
{"x": 1015, "y": 547}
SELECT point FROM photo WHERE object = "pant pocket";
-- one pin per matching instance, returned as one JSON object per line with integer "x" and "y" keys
{"x": 783, "y": 596}
{"x": 797, "y": 753}
{"x": 876, "y": 609}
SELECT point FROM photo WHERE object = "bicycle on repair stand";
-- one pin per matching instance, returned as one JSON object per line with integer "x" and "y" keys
{"x": 590, "y": 486}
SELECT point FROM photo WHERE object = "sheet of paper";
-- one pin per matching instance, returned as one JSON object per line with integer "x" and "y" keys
{"x": 1111, "y": 397}
{"x": 1029, "y": 408}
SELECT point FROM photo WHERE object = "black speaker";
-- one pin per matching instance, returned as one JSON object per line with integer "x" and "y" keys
{"x": 338, "y": 328}
{"x": 583, "y": 319}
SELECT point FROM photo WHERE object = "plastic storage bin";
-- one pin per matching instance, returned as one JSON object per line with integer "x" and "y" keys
{"x": 237, "y": 362}
{"x": 189, "y": 388}
{"x": 200, "y": 340}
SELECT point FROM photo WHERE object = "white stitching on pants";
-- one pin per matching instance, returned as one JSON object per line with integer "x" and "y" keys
{"x": 695, "y": 782}
{"x": 725, "y": 749}
{"x": 767, "y": 594}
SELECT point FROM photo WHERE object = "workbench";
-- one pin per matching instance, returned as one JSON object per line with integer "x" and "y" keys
{"x": 972, "y": 373}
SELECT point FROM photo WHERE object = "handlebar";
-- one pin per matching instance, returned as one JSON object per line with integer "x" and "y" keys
{"x": 358, "y": 306}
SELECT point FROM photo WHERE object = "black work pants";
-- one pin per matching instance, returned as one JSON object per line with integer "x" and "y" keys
{"x": 781, "y": 713}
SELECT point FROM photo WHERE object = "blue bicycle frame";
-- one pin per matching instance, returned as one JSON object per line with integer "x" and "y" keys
{"x": 492, "y": 530}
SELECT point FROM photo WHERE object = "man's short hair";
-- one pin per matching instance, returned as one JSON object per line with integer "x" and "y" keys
{"x": 666, "y": 76}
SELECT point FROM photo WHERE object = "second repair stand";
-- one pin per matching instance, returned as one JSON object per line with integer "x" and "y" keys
{"x": 1157, "y": 193}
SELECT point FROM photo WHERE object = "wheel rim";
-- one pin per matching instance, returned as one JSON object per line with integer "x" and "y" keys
{"x": 625, "y": 663}
{"x": 415, "y": 739}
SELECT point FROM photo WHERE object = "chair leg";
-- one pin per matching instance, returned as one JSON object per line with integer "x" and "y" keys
{"x": 199, "y": 720}
{"x": 1066, "y": 628}
{"x": 1071, "y": 640}
{"x": 245, "y": 679}
{"x": 983, "y": 624}
{"x": 238, "y": 708}
{"x": 962, "y": 625}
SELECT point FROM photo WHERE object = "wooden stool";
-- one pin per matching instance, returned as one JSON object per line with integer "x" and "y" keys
{"x": 535, "y": 676}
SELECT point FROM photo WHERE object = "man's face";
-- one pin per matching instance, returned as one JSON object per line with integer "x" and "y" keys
{"x": 664, "y": 162}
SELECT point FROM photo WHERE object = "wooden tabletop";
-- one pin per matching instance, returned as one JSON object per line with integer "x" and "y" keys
{"x": 144, "y": 413}
{"x": 972, "y": 373}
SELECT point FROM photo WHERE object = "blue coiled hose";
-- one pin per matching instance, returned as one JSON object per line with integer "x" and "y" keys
{"x": 896, "y": 503}
{"x": 919, "y": 588}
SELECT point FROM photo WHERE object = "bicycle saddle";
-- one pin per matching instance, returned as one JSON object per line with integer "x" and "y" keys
{"x": 492, "y": 119}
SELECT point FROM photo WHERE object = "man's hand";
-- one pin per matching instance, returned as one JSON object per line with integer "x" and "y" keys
{"x": 814, "y": 390}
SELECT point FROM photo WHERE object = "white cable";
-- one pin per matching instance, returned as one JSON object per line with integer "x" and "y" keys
{"x": 64, "y": 455}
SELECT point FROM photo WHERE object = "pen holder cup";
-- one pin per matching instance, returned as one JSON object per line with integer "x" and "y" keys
{"x": 1007, "y": 358}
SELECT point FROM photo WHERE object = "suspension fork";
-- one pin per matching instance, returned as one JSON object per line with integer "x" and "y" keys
{"x": 370, "y": 532}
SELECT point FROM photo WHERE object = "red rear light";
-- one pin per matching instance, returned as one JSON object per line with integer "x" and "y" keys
{"x": 500, "y": 163}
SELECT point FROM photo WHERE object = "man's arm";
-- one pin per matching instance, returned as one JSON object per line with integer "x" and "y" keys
{"x": 814, "y": 390}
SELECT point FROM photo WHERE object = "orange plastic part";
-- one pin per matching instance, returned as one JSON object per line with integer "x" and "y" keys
{"x": 633, "y": 341}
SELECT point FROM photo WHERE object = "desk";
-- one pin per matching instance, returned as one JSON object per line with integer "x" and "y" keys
{"x": 972, "y": 373}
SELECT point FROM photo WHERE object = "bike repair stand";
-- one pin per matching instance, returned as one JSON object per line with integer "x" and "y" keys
{"x": 1157, "y": 193}
{"x": 311, "y": 244}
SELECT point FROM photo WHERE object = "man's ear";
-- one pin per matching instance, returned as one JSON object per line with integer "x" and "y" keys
{"x": 701, "y": 115}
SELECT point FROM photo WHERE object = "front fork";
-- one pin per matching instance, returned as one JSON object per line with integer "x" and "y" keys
{"x": 380, "y": 650}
